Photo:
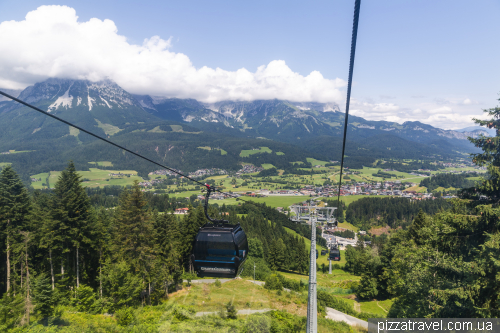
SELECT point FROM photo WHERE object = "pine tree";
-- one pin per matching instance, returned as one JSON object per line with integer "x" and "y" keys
{"x": 420, "y": 222}
{"x": 14, "y": 214}
{"x": 134, "y": 231}
{"x": 101, "y": 233}
{"x": 490, "y": 157}
{"x": 303, "y": 258}
{"x": 190, "y": 226}
{"x": 72, "y": 214}
{"x": 272, "y": 258}
{"x": 43, "y": 296}
{"x": 280, "y": 254}
{"x": 167, "y": 240}
{"x": 48, "y": 236}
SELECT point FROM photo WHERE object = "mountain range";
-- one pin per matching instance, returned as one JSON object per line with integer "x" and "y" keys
{"x": 108, "y": 110}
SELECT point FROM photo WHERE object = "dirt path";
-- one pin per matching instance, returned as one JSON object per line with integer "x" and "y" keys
{"x": 380, "y": 306}
{"x": 240, "y": 312}
{"x": 357, "y": 306}
{"x": 340, "y": 316}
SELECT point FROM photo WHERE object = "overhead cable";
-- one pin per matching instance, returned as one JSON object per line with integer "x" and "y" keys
{"x": 349, "y": 84}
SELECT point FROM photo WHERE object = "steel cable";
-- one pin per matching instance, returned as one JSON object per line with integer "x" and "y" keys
{"x": 349, "y": 84}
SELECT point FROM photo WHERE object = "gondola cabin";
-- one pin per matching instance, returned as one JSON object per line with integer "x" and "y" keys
{"x": 334, "y": 254}
{"x": 323, "y": 252}
{"x": 220, "y": 250}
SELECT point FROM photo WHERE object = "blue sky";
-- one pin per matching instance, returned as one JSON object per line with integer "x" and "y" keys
{"x": 431, "y": 61}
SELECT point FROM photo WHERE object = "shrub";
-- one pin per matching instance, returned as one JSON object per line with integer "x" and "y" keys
{"x": 273, "y": 282}
{"x": 291, "y": 284}
{"x": 231, "y": 310}
{"x": 189, "y": 277}
{"x": 367, "y": 288}
{"x": 182, "y": 313}
{"x": 217, "y": 283}
{"x": 84, "y": 298}
{"x": 125, "y": 316}
{"x": 261, "y": 268}
{"x": 326, "y": 299}
{"x": 258, "y": 324}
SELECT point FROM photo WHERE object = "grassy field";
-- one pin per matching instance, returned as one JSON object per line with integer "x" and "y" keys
{"x": 376, "y": 307}
{"x": 178, "y": 128}
{"x": 441, "y": 189}
{"x": 3, "y": 164}
{"x": 326, "y": 280}
{"x": 244, "y": 295}
{"x": 349, "y": 226}
{"x": 108, "y": 128}
{"x": 420, "y": 189}
{"x": 277, "y": 201}
{"x": 267, "y": 166}
{"x": 187, "y": 194}
{"x": 314, "y": 161}
{"x": 93, "y": 178}
{"x": 246, "y": 153}
{"x": 351, "y": 198}
{"x": 102, "y": 163}
{"x": 222, "y": 151}
{"x": 280, "y": 153}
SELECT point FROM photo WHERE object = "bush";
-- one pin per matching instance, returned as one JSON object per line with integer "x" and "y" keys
{"x": 84, "y": 298}
{"x": 273, "y": 282}
{"x": 217, "y": 283}
{"x": 182, "y": 313}
{"x": 189, "y": 277}
{"x": 258, "y": 324}
{"x": 125, "y": 316}
{"x": 12, "y": 309}
{"x": 367, "y": 288}
{"x": 231, "y": 310}
{"x": 291, "y": 284}
{"x": 326, "y": 299}
{"x": 261, "y": 268}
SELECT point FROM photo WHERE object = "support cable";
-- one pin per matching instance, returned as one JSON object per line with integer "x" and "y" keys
{"x": 349, "y": 84}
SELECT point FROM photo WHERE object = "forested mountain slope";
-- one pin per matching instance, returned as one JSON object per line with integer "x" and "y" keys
{"x": 171, "y": 131}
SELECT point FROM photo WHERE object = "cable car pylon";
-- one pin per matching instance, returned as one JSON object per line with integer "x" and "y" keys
{"x": 312, "y": 301}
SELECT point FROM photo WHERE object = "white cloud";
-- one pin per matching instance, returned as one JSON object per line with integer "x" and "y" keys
{"x": 385, "y": 107}
{"x": 466, "y": 101}
{"x": 51, "y": 42}
{"x": 441, "y": 110}
{"x": 433, "y": 113}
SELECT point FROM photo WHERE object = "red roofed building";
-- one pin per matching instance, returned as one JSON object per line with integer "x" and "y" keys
{"x": 181, "y": 211}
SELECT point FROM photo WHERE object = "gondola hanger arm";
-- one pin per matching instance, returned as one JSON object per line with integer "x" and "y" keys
{"x": 211, "y": 189}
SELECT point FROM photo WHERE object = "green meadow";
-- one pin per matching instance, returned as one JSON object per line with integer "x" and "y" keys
{"x": 102, "y": 163}
{"x": 93, "y": 178}
{"x": 246, "y": 153}
{"x": 274, "y": 201}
